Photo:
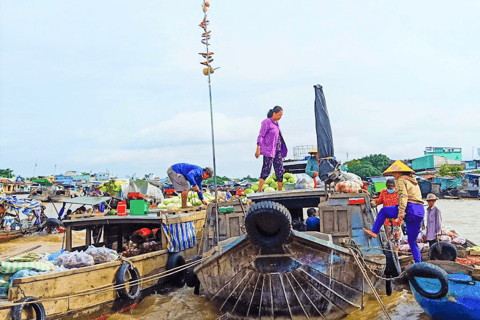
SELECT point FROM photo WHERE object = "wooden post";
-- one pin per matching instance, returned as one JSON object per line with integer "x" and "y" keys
{"x": 88, "y": 237}
{"x": 68, "y": 238}
{"x": 120, "y": 239}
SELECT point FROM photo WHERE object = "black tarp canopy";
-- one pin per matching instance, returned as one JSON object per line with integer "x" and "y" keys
{"x": 327, "y": 163}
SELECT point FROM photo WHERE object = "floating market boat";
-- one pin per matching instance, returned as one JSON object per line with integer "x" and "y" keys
{"x": 274, "y": 271}
{"x": 446, "y": 290}
{"x": 89, "y": 289}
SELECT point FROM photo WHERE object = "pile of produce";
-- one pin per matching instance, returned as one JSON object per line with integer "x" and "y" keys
{"x": 192, "y": 200}
{"x": 448, "y": 235}
{"x": 271, "y": 184}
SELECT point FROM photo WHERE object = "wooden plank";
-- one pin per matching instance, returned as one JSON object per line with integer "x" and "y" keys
{"x": 68, "y": 238}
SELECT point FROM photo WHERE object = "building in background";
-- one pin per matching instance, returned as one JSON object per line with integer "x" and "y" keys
{"x": 447, "y": 152}
{"x": 432, "y": 163}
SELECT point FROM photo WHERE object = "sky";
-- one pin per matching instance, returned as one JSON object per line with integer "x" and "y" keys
{"x": 91, "y": 86}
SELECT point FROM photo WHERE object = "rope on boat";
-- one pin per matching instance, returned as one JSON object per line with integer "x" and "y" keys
{"x": 109, "y": 287}
{"x": 372, "y": 287}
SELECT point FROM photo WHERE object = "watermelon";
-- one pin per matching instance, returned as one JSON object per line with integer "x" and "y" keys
{"x": 248, "y": 191}
{"x": 269, "y": 189}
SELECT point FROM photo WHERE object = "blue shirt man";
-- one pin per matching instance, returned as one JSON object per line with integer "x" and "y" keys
{"x": 313, "y": 223}
{"x": 183, "y": 174}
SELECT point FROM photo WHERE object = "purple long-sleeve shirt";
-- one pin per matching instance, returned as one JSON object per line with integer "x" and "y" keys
{"x": 434, "y": 222}
{"x": 268, "y": 138}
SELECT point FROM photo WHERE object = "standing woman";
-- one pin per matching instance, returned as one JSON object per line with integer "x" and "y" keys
{"x": 410, "y": 203}
{"x": 271, "y": 145}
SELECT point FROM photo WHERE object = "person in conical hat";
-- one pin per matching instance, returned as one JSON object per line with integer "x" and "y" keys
{"x": 312, "y": 164}
{"x": 410, "y": 204}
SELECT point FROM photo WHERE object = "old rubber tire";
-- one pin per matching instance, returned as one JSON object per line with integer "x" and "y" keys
{"x": 448, "y": 252}
{"x": 190, "y": 277}
{"x": 392, "y": 267}
{"x": 40, "y": 313}
{"x": 178, "y": 278}
{"x": 268, "y": 224}
{"x": 427, "y": 270}
{"x": 134, "y": 291}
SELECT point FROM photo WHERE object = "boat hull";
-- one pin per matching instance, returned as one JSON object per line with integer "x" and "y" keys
{"x": 312, "y": 277}
{"x": 461, "y": 302}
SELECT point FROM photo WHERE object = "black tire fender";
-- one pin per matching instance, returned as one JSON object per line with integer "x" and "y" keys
{"x": 268, "y": 224}
{"x": 175, "y": 260}
{"x": 190, "y": 277}
{"x": 40, "y": 313}
{"x": 134, "y": 291}
{"x": 443, "y": 251}
{"x": 392, "y": 267}
{"x": 427, "y": 270}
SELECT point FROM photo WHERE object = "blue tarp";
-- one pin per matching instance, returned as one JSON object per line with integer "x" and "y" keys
{"x": 447, "y": 183}
{"x": 324, "y": 135}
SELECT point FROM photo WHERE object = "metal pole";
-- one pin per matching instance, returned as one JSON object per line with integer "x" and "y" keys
{"x": 211, "y": 118}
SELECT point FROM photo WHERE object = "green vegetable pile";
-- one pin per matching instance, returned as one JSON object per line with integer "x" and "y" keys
{"x": 271, "y": 184}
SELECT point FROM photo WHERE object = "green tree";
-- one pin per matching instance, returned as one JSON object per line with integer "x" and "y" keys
{"x": 6, "y": 173}
{"x": 85, "y": 174}
{"x": 368, "y": 166}
{"x": 450, "y": 170}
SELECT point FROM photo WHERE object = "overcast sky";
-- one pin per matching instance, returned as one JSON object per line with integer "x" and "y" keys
{"x": 117, "y": 85}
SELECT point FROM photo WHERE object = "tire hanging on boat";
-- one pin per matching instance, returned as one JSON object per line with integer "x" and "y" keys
{"x": 443, "y": 251}
{"x": 40, "y": 313}
{"x": 134, "y": 291}
{"x": 430, "y": 271}
{"x": 392, "y": 267}
{"x": 268, "y": 224}
{"x": 178, "y": 278}
{"x": 191, "y": 278}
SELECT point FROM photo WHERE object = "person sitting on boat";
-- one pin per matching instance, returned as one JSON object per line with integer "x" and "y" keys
{"x": 312, "y": 166}
{"x": 389, "y": 199}
{"x": 271, "y": 145}
{"x": 181, "y": 174}
{"x": 433, "y": 219}
{"x": 97, "y": 192}
{"x": 313, "y": 223}
{"x": 2, "y": 213}
{"x": 410, "y": 205}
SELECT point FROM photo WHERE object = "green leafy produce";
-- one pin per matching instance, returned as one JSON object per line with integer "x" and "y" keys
{"x": 248, "y": 191}
{"x": 269, "y": 180}
{"x": 254, "y": 188}
{"x": 274, "y": 177}
{"x": 284, "y": 180}
{"x": 292, "y": 180}
{"x": 269, "y": 189}
{"x": 274, "y": 185}
{"x": 287, "y": 175}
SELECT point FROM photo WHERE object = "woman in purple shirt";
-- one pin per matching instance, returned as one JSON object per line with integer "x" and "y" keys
{"x": 271, "y": 145}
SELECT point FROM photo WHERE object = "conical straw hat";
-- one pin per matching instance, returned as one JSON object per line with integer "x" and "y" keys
{"x": 397, "y": 166}
{"x": 314, "y": 150}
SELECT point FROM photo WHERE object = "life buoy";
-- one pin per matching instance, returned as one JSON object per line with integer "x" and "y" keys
{"x": 191, "y": 278}
{"x": 134, "y": 291}
{"x": 443, "y": 251}
{"x": 175, "y": 260}
{"x": 268, "y": 224}
{"x": 427, "y": 270}
{"x": 40, "y": 313}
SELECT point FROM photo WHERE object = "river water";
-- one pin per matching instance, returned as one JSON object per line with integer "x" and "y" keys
{"x": 182, "y": 304}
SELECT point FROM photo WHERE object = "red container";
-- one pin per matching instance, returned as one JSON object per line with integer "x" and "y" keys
{"x": 356, "y": 201}
{"x": 135, "y": 196}
{"x": 122, "y": 208}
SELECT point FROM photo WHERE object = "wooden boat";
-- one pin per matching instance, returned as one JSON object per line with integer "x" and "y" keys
{"x": 274, "y": 271}
{"x": 6, "y": 236}
{"x": 446, "y": 290}
{"x": 90, "y": 289}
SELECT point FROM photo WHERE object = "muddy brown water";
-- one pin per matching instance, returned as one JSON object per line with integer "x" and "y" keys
{"x": 182, "y": 304}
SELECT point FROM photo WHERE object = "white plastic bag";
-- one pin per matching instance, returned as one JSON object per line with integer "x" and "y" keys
{"x": 75, "y": 260}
